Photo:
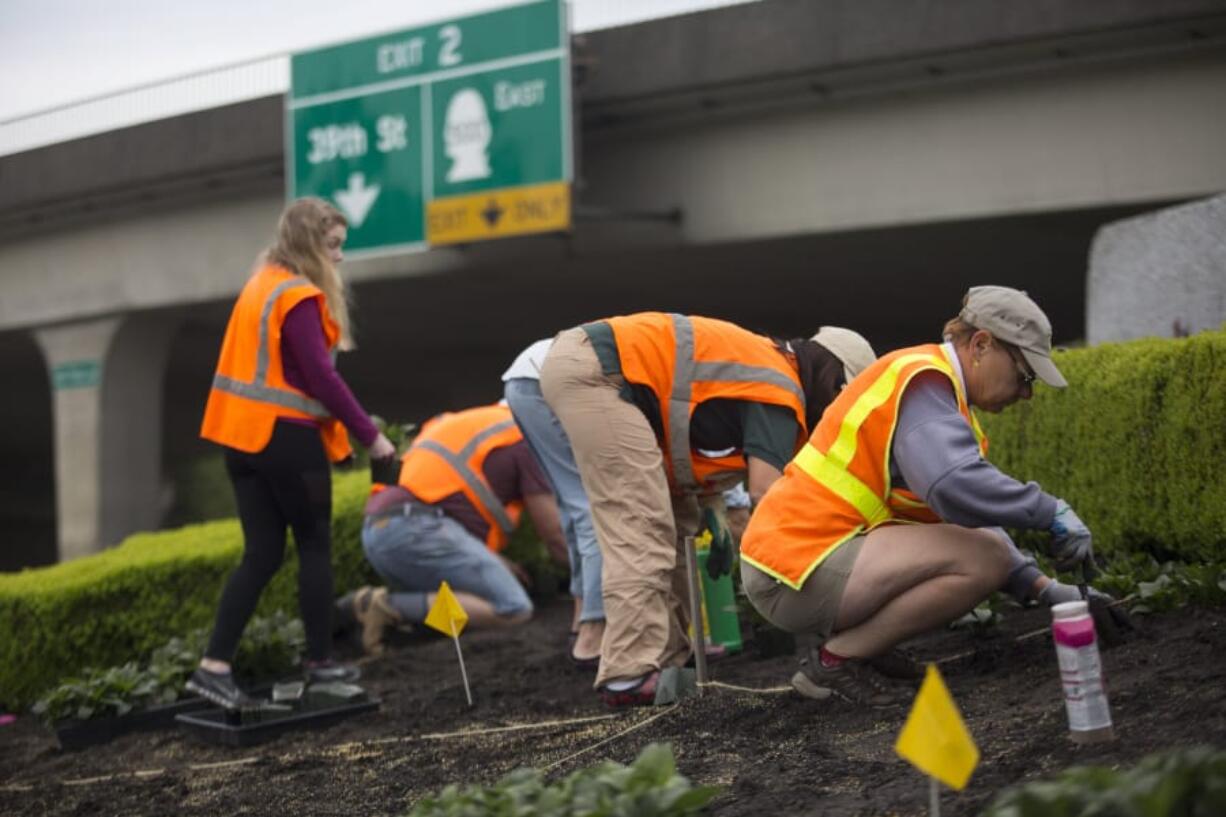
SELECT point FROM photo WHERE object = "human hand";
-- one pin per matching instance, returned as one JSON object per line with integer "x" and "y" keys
{"x": 382, "y": 448}
{"x": 518, "y": 571}
{"x": 1071, "y": 544}
{"x": 1057, "y": 592}
{"x": 1111, "y": 620}
{"x": 719, "y": 559}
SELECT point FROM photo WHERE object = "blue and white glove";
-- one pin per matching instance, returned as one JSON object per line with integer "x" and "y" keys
{"x": 1071, "y": 542}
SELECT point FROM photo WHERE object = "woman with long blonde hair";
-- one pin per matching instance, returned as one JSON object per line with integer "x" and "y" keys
{"x": 280, "y": 410}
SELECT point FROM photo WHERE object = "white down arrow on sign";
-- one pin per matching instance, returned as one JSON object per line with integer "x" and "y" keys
{"x": 356, "y": 200}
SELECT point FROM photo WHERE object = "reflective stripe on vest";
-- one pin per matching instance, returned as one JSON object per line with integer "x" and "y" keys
{"x": 258, "y": 388}
{"x": 687, "y": 371}
{"x": 831, "y": 469}
{"x": 459, "y": 462}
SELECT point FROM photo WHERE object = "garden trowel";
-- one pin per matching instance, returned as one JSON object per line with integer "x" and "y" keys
{"x": 1111, "y": 620}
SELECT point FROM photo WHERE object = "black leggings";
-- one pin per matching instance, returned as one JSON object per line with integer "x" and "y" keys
{"x": 288, "y": 483}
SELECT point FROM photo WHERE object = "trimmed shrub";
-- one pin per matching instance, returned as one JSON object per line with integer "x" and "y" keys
{"x": 109, "y": 608}
{"x": 1135, "y": 445}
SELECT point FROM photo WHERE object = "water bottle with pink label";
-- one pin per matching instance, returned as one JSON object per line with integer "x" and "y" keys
{"x": 1081, "y": 672}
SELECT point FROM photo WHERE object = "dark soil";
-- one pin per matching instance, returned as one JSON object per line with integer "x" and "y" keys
{"x": 770, "y": 751}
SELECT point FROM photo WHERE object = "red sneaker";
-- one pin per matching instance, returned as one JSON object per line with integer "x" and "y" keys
{"x": 642, "y": 694}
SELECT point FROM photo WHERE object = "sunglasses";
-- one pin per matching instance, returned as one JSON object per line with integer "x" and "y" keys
{"x": 1025, "y": 377}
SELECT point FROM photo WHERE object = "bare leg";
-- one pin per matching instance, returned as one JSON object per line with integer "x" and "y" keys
{"x": 909, "y": 579}
{"x": 591, "y": 633}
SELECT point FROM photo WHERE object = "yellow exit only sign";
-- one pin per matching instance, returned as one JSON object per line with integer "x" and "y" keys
{"x": 537, "y": 208}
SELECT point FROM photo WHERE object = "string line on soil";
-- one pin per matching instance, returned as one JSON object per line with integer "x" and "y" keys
{"x": 968, "y": 653}
{"x": 947, "y": 659}
{"x": 337, "y": 749}
{"x": 766, "y": 691}
{"x": 474, "y": 732}
{"x": 612, "y": 738}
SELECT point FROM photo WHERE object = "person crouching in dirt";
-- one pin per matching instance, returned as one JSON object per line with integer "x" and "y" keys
{"x": 823, "y": 554}
{"x": 462, "y": 486}
{"x": 663, "y": 412}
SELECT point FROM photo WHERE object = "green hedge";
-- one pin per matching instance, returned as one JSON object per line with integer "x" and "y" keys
{"x": 119, "y": 605}
{"x": 1136, "y": 444}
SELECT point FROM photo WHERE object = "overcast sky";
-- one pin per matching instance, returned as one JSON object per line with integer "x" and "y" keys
{"x": 54, "y": 52}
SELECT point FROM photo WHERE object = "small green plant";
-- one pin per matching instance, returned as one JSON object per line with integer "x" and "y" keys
{"x": 649, "y": 787}
{"x": 1160, "y": 586}
{"x": 985, "y": 618}
{"x": 114, "y": 691}
{"x": 1186, "y": 782}
{"x": 398, "y": 434}
{"x": 271, "y": 646}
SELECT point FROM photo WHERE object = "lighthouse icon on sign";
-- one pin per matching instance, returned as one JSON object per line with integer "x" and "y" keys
{"x": 466, "y": 136}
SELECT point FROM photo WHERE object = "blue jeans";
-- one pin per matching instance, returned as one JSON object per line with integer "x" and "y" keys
{"x": 548, "y": 442}
{"x": 416, "y": 551}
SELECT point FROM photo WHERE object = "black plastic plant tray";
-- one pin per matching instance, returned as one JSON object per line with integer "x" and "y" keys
{"x": 214, "y": 725}
{"x": 74, "y": 734}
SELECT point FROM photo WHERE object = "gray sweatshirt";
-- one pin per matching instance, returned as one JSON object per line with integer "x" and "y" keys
{"x": 935, "y": 456}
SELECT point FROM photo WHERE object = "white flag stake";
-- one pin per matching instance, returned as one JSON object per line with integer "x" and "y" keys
{"x": 700, "y": 641}
{"x": 934, "y": 797}
{"x": 463, "y": 672}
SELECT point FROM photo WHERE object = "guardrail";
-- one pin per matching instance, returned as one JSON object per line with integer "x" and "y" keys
{"x": 197, "y": 91}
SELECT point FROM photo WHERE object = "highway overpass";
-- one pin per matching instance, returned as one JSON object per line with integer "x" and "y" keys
{"x": 783, "y": 164}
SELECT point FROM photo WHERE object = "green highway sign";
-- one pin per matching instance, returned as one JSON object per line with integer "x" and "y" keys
{"x": 408, "y": 129}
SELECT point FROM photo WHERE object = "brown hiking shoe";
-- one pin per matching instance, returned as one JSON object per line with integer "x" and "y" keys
{"x": 375, "y": 614}
{"x": 853, "y": 680}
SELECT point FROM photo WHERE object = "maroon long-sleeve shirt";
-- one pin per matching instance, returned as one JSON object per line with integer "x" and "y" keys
{"x": 308, "y": 366}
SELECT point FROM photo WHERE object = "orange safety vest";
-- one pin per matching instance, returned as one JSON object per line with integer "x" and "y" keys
{"x": 689, "y": 360}
{"x": 448, "y": 456}
{"x": 250, "y": 391}
{"x": 838, "y": 485}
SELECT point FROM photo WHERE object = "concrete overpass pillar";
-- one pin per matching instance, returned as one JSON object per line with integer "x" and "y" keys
{"x": 75, "y": 355}
{"x": 107, "y": 377}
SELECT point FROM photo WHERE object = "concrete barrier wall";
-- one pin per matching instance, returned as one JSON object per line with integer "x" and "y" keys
{"x": 1162, "y": 274}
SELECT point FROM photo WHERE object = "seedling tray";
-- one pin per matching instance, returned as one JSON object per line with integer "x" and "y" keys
{"x": 215, "y": 725}
{"x": 74, "y": 734}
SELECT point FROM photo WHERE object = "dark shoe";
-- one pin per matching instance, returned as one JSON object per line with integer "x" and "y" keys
{"x": 853, "y": 680}
{"x": 897, "y": 664}
{"x": 218, "y": 688}
{"x": 582, "y": 663}
{"x": 642, "y": 694}
{"x": 329, "y": 671}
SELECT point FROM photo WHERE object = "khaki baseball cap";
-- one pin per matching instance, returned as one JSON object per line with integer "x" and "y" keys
{"x": 850, "y": 347}
{"x": 1010, "y": 315}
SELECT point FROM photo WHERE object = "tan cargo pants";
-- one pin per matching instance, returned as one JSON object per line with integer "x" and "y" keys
{"x": 622, "y": 468}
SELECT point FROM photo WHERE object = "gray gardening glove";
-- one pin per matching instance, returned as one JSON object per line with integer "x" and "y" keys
{"x": 1070, "y": 542}
{"x": 1059, "y": 593}
{"x": 1111, "y": 620}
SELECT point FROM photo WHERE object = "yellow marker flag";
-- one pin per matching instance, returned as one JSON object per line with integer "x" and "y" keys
{"x": 934, "y": 738}
{"x": 446, "y": 615}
